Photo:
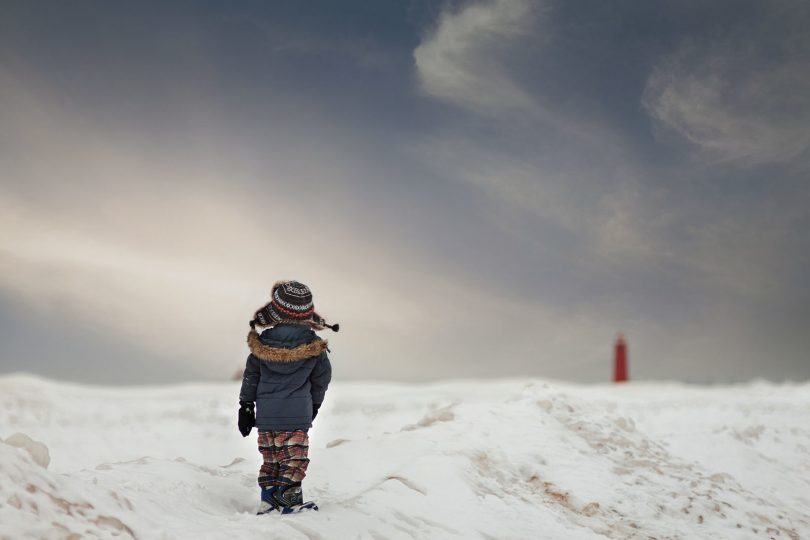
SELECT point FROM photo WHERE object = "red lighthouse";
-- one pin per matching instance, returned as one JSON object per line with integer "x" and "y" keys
{"x": 620, "y": 360}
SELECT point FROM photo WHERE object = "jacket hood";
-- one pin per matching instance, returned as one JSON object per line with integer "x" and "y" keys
{"x": 286, "y": 343}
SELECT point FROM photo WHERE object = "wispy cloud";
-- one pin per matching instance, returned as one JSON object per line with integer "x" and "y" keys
{"x": 739, "y": 98}
{"x": 575, "y": 174}
{"x": 588, "y": 192}
{"x": 464, "y": 59}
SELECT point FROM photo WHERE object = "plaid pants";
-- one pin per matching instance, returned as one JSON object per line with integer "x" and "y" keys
{"x": 285, "y": 457}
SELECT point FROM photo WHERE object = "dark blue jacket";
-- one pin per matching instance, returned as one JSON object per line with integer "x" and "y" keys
{"x": 287, "y": 372}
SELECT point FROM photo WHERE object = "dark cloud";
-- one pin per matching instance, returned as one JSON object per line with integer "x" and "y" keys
{"x": 478, "y": 189}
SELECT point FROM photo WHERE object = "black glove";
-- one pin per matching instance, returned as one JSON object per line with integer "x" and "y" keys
{"x": 247, "y": 418}
{"x": 315, "y": 410}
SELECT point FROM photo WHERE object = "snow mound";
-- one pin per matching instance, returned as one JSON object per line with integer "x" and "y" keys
{"x": 473, "y": 459}
{"x": 37, "y": 504}
{"x": 36, "y": 449}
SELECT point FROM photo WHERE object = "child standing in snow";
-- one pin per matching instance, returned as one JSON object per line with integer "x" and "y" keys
{"x": 285, "y": 380}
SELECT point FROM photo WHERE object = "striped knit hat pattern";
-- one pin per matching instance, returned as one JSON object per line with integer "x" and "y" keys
{"x": 291, "y": 301}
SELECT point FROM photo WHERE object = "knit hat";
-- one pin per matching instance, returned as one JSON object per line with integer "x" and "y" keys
{"x": 291, "y": 302}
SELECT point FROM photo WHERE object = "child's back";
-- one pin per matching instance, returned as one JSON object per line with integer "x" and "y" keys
{"x": 287, "y": 374}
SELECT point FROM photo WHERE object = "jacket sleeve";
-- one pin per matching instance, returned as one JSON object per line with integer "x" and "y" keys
{"x": 250, "y": 380}
{"x": 319, "y": 378}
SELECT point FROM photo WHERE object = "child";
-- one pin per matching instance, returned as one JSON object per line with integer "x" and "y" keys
{"x": 286, "y": 377}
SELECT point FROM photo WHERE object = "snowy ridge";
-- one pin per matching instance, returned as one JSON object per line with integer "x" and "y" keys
{"x": 466, "y": 459}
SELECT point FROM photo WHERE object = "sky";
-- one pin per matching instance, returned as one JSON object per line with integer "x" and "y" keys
{"x": 471, "y": 189}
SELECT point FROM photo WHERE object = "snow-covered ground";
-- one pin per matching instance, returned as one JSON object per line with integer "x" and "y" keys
{"x": 510, "y": 459}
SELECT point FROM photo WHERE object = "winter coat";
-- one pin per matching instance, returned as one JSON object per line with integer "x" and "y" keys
{"x": 287, "y": 372}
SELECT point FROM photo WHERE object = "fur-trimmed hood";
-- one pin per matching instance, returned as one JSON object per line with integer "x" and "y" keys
{"x": 268, "y": 353}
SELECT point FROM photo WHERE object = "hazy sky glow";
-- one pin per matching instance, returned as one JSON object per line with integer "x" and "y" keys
{"x": 470, "y": 188}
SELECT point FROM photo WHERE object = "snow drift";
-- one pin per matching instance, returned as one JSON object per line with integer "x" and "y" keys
{"x": 468, "y": 459}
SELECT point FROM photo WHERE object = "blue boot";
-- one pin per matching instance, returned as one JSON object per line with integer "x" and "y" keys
{"x": 290, "y": 499}
{"x": 287, "y": 496}
{"x": 268, "y": 502}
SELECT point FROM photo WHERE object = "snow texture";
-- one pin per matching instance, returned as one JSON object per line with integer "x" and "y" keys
{"x": 467, "y": 459}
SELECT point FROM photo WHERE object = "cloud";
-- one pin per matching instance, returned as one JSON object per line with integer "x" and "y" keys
{"x": 462, "y": 61}
{"x": 168, "y": 239}
{"x": 402, "y": 317}
{"x": 572, "y": 172}
{"x": 152, "y": 248}
{"x": 597, "y": 204}
{"x": 728, "y": 97}
{"x": 739, "y": 98}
